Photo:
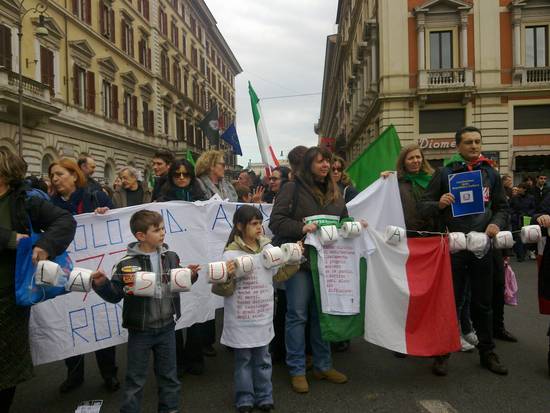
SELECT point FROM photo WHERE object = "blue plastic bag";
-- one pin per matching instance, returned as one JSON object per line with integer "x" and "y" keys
{"x": 27, "y": 293}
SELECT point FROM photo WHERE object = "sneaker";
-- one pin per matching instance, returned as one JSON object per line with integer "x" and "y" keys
{"x": 440, "y": 367}
{"x": 331, "y": 375}
{"x": 471, "y": 338}
{"x": 465, "y": 345}
{"x": 532, "y": 255}
{"x": 299, "y": 384}
{"x": 491, "y": 362}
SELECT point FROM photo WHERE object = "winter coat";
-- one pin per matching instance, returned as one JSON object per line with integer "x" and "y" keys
{"x": 83, "y": 200}
{"x": 496, "y": 205}
{"x": 120, "y": 199}
{"x": 521, "y": 205}
{"x": 348, "y": 191}
{"x": 224, "y": 188}
{"x": 171, "y": 192}
{"x": 413, "y": 220}
{"x": 57, "y": 229}
{"x": 143, "y": 313}
{"x": 540, "y": 193}
{"x": 159, "y": 183}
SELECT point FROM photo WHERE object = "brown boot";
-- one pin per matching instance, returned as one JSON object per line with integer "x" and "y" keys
{"x": 331, "y": 375}
{"x": 299, "y": 384}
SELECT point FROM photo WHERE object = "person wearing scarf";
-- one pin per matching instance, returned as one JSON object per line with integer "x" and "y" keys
{"x": 467, "y": 269}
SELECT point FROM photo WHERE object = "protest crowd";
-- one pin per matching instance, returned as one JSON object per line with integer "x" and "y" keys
{"x": 315, "y": 184}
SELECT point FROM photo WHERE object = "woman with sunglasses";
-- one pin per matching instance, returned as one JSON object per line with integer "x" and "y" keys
{"x": 210, "y": 171}
{"x": 342, "y": 179}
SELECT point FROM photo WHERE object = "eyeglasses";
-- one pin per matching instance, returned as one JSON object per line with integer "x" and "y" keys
{"x": 180, "y": 175}
{"x": 336, "y": 169}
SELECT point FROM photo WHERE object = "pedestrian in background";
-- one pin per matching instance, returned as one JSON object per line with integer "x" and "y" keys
{"x": 87, "y": 165}
{"x": 132, "y": 191}
{"x": 162, "y": 159}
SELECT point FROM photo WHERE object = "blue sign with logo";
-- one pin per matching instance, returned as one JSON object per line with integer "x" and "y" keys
{"x": 467, "y": 188}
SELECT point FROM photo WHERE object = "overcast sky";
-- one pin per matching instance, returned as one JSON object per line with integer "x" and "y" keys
{"x": 280, "y": 45}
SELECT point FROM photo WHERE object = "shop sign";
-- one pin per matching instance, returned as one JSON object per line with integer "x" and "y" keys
{"x": 437, "y": 144}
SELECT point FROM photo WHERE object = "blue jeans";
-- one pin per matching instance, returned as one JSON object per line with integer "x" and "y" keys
{"x": 163, "y": 344}
{"x": 253, "y": 376}
{"x": 300, "y": 298}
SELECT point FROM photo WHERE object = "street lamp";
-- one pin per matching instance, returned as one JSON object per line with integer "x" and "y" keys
{"x": 41, "y": 31}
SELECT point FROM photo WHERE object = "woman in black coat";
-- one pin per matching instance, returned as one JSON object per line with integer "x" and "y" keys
{"x": 18, "y": 208}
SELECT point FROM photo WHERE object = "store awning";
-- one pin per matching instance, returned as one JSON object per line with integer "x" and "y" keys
{"x": 531, "y": 161}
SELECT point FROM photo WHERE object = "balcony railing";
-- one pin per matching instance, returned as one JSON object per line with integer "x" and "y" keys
{"x": 30, "y": 87}
{"x": 445, "y": 78}
{"x": 538, "y": 75}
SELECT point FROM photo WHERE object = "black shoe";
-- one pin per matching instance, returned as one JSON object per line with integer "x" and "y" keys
{"x": 112, "y": 384}
{"x": 245, "y": 409}
{"x": 441, "y": 366}
{"x": 399, "y": 355}
{"x": 492, "y": 363}
{"x": 505, "y": 335}
{"x": 70, "y": 384}
{"x": 209, "y": 351}
{"x": 195, "y": 369}
{"x": 266, "y": 407}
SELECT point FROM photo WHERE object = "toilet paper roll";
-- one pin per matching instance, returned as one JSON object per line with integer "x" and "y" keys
{"x": 530, "y": 234}
{"x": 503, "y": 239}
{"x": 292, "y": 253}
{"x": 457, "y": 242}
{"x": 328, "y": 234}
{"x": 180, "y": 280}
{"x": 145, "y": 283}
{"x": 217, "y": 272}
{"x": 80, "y": 279}
{"x": 244, "y": 265}
{"x": 394, "y": 235}
{"x": 272, "y": 257}
{"x": 47, "y": 273}
{"x": 351, "y": 229}
{"x": 477, "y": 242}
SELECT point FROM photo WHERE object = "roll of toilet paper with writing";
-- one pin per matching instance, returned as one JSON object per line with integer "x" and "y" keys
{"x": 503, "y": 239}
{"x": 80, "y": 280}
{"x": 476, "y": 242}
{"x": 180, "y": 280}
{"x": 292, "y": 253}
{"x": 328, "y": 234}
{"x": 47, "y": 273}
{"x": 217, "y": 272}
{"x": 457, "y": 242}
{"x": 394, "y": 235}
{"x": 145, "y": 283}
{"x": 272, "y": 257}
{"x": 530, "y": 234}
{"x": 351, "y": 229}
{"x": 244, "y": 265}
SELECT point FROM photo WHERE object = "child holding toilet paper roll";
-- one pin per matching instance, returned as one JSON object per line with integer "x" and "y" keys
{"x": 142, "y": 278}
{"x": 248, "y": 309}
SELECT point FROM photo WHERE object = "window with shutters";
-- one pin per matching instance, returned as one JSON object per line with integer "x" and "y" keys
{"x": 109, "y": 100}
{"x": 163, "y": 22}
{"x": 190, "y": 134}
{"x": 194, "y": 57}
{"x": 107, "y": 20}
{"x": 532, "y": 117}
{"x": 127, "y": 34}
{"x": 174, "y": 34}
{"x": 47, "y": 76}
{"x": 184, "y": 44}
{"x": 176, "y": 73}
{"x": 5, "y": 47}
{"x": 164, "y": 66}
{"x": 144, "y": 52}
{"x": 82, "y": 9}
{"x": 130, "y": 110}
{"x": 195, "y": 96}
{"x": 203, "y": 66}
{"x": 143, "y": 8}
{"x": 180, "y": 129}
{"x": 79, "y": 86}
{"x": 536, "y": 46}
{"x": 185, "y": 86}
{"x": 440, "y": 121}
{"x": 166, "y": 120}
{"x": 193, "y": 24}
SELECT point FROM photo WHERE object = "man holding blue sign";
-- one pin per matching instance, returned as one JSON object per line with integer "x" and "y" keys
{"x": 467, "y": 196}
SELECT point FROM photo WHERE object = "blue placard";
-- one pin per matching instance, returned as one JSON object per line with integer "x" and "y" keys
{"x": 467, "y": 188}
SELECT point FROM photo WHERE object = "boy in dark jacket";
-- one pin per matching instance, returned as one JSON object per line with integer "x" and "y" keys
{"x": 149, "y": 320}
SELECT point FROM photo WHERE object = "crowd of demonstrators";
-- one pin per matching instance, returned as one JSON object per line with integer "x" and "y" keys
{"x": 467, "y": 269}
{"x": 71, "y": 193}
{"x": 316, "y": 183}
{"x": 21, "y": 214}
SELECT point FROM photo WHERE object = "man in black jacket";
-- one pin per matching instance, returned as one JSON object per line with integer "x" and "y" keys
{"x": 466, "y": 267}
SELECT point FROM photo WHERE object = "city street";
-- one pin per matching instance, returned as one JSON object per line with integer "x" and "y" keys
{"x": 379, "y": 382}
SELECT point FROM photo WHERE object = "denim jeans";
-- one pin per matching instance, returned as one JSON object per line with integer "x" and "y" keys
{"x": 162, "y": 342}
{"x": 253, "y": 376}
{"x": 300, "y": 299}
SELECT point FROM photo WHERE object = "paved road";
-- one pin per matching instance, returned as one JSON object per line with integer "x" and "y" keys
{"x": 379, "y": 382}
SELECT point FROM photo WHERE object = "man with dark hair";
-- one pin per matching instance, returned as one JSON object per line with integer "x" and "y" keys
{"x": 468, "y": 268}
{"x": 162, "y": 159}
{"x": 540, "y": 189}
{"x": 295, "y": 158}
{"x": 87, "y": 165}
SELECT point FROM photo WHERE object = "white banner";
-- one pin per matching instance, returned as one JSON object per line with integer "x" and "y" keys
{"x": 78, "y": 323}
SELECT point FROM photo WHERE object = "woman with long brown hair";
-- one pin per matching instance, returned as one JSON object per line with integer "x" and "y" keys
{"x": 312, "y": 192}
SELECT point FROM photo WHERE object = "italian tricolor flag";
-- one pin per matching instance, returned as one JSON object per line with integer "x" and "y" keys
{"x": 266, "y": 150}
